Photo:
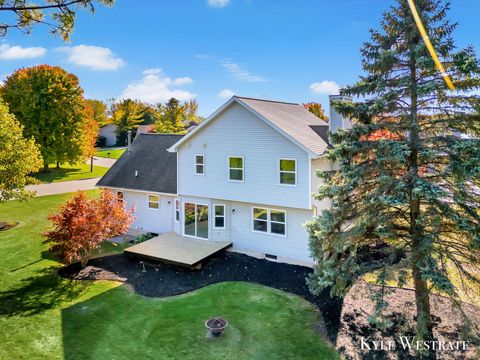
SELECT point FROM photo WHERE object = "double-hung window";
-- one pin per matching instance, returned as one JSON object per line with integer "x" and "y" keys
{"x": 288, "y": 172}
{"x": 120, "y": 197}
{"x": 219, "y": 216}
{"x": 199, "y": 164}
{"x": 154, "y": 202}
{"x": 236, "y": 168}
{"x": 177, "y": 210}
{"x": 269, "y": 221}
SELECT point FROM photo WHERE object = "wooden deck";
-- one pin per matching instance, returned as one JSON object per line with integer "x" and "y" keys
{"x": 176, "y": 249}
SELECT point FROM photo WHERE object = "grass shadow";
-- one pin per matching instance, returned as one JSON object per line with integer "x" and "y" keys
{"x": 36, "y": 294}
{"x": 53, "y": 175}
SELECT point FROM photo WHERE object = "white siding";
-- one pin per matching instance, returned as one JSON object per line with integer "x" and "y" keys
{"x": 109, "y": 133}
{"x": 156, "y": 221}
{"x": 319, "y": 165}
{"x": 238, "y": 132}
{"x": 294, "y": 245}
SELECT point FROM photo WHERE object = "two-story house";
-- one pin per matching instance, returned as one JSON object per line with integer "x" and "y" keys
{"x": 245, "y": 175}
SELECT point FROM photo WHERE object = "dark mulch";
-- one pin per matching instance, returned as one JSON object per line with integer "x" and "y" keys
{"x": 160, "y": 280}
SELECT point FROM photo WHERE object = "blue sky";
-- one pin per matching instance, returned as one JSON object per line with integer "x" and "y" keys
{"x": 291, "y": 50}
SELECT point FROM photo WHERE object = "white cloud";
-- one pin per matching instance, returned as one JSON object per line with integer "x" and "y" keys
{"x": 325, "y": 87}
{"x": 152, "y": 71}
{"x": 8, "y": 52}
{"x": 156, "y": 87}
{"x": 93, "y": 57}
{"x": 218, "y": 3}
{"x": 203, "y": 56}
{"x": 183, "y": 81}
{"x": 241, "y": 74}
{"x": 226, "y": 93}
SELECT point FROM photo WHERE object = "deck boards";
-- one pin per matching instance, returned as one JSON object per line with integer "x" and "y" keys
{"x": 177, "y": 249}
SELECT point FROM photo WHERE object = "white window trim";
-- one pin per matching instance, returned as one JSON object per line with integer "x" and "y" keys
{"x": 224, "y": 217}
{"x": 268, "y": 221}
{"x": 279, "y": 172}
{"x": 176, "y": 201}
{"x": 148, "y": 202}
{"x": 196, "y": 164}
{"x": 229, "y": 168}
{"x": 183, "y": 223}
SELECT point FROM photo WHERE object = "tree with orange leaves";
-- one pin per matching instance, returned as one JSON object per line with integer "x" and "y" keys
{"x": 48, "y": 102}
{"x": 82, "y": 224}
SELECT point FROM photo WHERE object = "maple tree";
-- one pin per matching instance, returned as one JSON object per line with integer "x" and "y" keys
{"x": 83, "y": 223}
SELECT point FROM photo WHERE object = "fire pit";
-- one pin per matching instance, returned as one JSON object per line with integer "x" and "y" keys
{"x": 216, "y": 326}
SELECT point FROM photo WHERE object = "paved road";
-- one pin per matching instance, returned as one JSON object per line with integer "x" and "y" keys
{"x": 70, "y": 186}
{"x": 63, "y": 187}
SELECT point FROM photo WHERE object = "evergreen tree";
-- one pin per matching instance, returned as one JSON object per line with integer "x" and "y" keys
{"x": 412, "y": 188}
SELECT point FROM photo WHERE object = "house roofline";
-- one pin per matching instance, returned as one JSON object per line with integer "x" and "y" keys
{"x": 239, "y": 101}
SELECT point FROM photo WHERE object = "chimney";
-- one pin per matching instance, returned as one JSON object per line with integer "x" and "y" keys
{"x": 129, "y": 140}
{"x": 337, "y": 120}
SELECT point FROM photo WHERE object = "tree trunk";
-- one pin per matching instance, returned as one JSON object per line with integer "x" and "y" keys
{"x": 424, "y": 331}
{"x": 58, "y": 165}
{"x": 45, "y": 166}
{"x": 91, "y": 164}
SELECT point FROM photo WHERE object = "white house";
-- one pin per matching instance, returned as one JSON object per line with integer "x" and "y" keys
{"x": 109, "y": 132}
{"x": 245, "y": 175}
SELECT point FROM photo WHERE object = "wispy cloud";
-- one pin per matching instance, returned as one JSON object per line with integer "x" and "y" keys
{"x": 240, "y": 73}
{"x": 93, "y": 57}
{"x": 327, "y": 87}
{"x": 8, "y": 52}
{"x": 155, "y": 87}
{"x": 218, "y": 3}
{"x": 226, "y": 93}
{"x": 203, "y": 56}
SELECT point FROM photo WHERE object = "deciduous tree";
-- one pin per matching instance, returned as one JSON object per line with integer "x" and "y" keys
{"x": 83, "y": 223}
{"x": 316, "y": 109}
{"x": 58, "y": 15}
{"x": 19, "y": 156}
{"x": 406, "y": 176}
{"x": 48, "y": 102}
{"x": 174, "y": 117}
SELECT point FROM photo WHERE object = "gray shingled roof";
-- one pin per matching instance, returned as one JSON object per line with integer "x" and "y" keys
{"x": 293, "y": 119}
{"x": 156, "y": 167}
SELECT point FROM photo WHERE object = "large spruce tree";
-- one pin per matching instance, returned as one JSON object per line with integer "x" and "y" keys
{"x": 408, "y": 171}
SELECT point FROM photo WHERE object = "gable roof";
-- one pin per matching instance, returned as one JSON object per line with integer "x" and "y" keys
{"x": 156, "y": 167}
{"x": 290, "y": 119}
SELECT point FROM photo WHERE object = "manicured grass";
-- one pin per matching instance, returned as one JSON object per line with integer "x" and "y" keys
{"x": 43, "y": 316}
{"x": 107, "y": 153}
{"x": 70, "y": 172}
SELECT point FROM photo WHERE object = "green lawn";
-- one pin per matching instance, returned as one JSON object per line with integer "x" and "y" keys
{"x": 43, "y": 316}
{"x": 107, "y": 153}
{"x": 70, "y": 172}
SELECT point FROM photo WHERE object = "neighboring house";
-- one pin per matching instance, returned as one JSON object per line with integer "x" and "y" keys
{"x": 145, "y": 129}
{"x": 246, "y": 175}
{"x": 109, "y": 132}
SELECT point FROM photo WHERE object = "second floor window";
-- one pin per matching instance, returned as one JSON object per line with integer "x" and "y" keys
{"x": 288, "y": 172}
{"x": 199, "y": 164}
{"x": 235, "y": 170}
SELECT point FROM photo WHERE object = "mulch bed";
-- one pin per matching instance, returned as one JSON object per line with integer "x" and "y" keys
{"x": 154, "y": 279}
{"x": 401, "y": 312}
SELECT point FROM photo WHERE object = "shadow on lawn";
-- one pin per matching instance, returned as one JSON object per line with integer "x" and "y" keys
{"x": 43, "y": 291}
{"x": 56, "y": 174}
{"x": 154, "y": 279}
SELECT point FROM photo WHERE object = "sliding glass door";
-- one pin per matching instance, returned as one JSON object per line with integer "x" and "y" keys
{"x": 196, "y": 220}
